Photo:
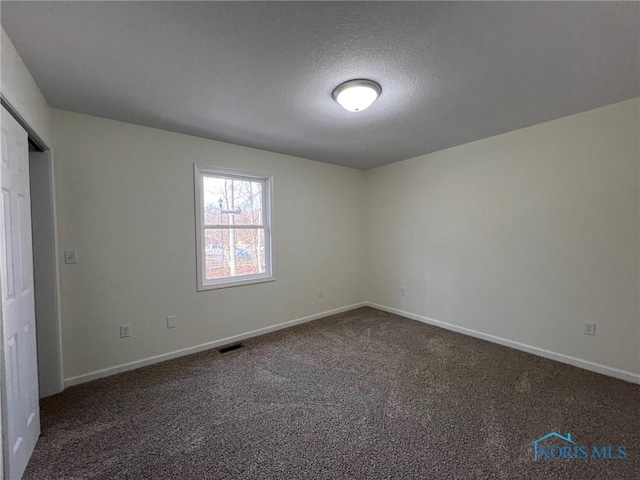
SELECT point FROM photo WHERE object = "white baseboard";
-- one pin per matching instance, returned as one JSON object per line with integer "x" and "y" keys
{"x": 576, "y": 362}
{"x": 106, "y": 372}
{"x": 559, "y": 357}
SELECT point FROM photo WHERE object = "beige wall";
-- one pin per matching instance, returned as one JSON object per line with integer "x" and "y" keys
{"x": 22, "y": 92}
{"x": 523, "y": 236}
{"x": 125, "y": 199}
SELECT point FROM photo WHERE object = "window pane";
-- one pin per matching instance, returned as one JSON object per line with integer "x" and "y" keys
{"x": 232, "y": 202}
{"x": 234, "y": 252}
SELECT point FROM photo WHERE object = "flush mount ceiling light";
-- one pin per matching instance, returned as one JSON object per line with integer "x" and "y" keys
{"x": 357, "y": 95}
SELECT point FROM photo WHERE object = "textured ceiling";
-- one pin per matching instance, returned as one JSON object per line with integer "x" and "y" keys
{"x": 261, "y": 74}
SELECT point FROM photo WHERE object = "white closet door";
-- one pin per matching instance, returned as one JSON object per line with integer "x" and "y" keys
{"x": 20, "y": 376}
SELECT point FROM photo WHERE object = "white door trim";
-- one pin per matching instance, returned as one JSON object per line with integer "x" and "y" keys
{"x": 45, "y": 253}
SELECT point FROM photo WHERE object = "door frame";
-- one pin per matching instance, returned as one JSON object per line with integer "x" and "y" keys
{"x": 45, "y": 266}
{"x": 49, "y": 251}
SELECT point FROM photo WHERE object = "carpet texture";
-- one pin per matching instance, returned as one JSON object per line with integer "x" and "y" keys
{"x": 360, "y": 395}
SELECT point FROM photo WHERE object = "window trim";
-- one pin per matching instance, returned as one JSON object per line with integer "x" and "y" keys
{"x": 200, "y": 171}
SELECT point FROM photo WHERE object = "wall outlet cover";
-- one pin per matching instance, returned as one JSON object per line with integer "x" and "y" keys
{"x": 125, "y": 331}
{"x": 589, "y": 328}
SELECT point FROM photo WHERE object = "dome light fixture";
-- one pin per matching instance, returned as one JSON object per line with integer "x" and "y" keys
{"x": 357, "y": 95}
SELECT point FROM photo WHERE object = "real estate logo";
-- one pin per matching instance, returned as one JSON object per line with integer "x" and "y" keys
{"x": 554, "y": 446}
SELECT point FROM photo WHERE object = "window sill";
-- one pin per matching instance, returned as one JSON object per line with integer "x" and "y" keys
{"x": 235, "y": 283}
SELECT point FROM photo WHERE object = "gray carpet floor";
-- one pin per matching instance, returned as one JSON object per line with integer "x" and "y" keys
{"x": 360, "y": 395}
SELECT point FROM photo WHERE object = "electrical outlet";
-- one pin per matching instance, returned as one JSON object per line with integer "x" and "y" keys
{"x": 125, "y": 331}
{"x": 402, "y": 291}
{"x": 70, "y": 256}
{"x": 171, "y": 321}
{"x": 320, "y": 292}
{"x": 589, "y": 328}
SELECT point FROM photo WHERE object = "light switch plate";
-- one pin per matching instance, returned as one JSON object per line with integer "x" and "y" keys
{"x": 171, "y": 321}
{"x": 70, "y": 256}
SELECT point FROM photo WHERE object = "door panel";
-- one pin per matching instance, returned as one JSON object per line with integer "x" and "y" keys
{"x": 21, "y": 424}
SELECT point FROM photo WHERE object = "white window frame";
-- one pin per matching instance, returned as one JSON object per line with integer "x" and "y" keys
{"x": 199, "y": 172}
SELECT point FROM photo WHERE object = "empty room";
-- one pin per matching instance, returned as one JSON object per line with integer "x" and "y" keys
{"x": 320, "y": 240}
